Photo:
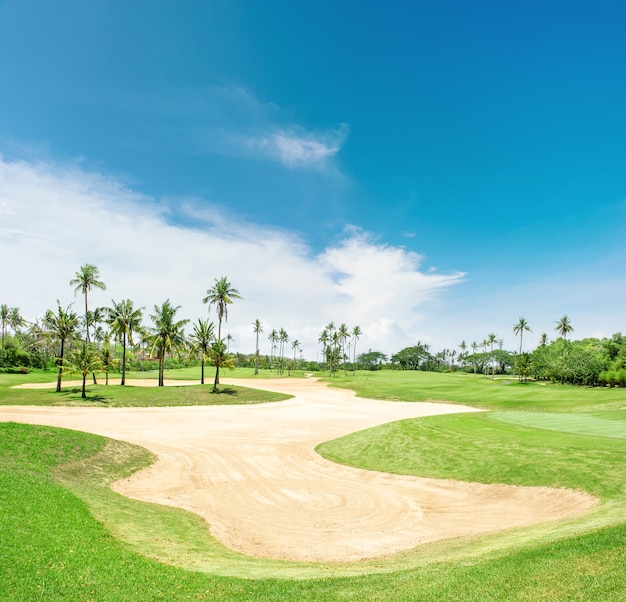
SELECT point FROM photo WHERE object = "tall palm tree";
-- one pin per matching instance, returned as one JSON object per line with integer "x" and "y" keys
{"x": 519, "y": 328}
{"x": 257, "y": 328}
{"x": 564, "y": 327}
{"x": 356, "y": 333}
{"x": 491, "y": 339}
{"x": 273, "y": 338}
{"x": 202, "y": 337}
{"x": 87, "y": 279}
{"x": 124, "y": 320}
{"x": 283, "y": 338}
{"x": 229, "y": 338}
{"x": 63, "y": 326}
{"x": 15, "y": 319}
{"x": 344, "y": 334}
{"x": 5, "y": 312}
{"x": 221, "y": 294}
{"x": 324, "y": 339}
{"x": 167, "y": 334}
{"x": 474, "y": 349}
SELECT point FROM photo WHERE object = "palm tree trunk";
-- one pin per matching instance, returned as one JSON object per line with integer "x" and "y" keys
{"x": 60, "y": 375}
{"x": 123, "y": 359}
{"x": 84, "y": 393}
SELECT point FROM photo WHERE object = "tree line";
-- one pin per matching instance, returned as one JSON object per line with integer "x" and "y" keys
{"x": 104, "y": 339}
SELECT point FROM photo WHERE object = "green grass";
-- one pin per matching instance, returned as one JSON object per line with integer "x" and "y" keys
{"x": 116, "y": 396}
{"x": 504, "y": 393}
{"x": 66, "y": 536}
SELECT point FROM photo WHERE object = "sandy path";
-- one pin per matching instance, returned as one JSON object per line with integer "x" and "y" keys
{"x": 253, "y": 474}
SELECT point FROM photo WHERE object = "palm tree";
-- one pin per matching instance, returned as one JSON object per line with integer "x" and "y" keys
{"x": 491, "y": 339}
{"x": 86, "y": 279}
{"x": 15, "y": 319}
{"x": 564, "y": 327}
{"x": 543, "y": 341}
{"x": 324, "y": 340}
{"x": 5, "y": 312}
{"x": 474, "y": 349}
{"x": 124, "y": 320}
{"x": 463, "y": 347}
{"x": 344, "y": 334}
{"x": 295, "y": 345}
{"x": 356, "y": 333}
{"x": 519, "y": 328}
{"x": 283, "y": 338}
{"x": 257, "y": 328}
{"x": 63, "y": 325}
{"x": 273, "y": 338}
{"x": 85, "y": 359}
{"x": 202, "y": 337}
{"x": 221, "y": 294}
{"x": 229, "y": 338}
{"x": 167, "y": 334}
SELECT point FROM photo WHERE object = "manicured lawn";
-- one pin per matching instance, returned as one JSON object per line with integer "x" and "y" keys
{"x": 115, "y": 396}
{"x": 66, "y": 536}
{"x": 504, "y": 393}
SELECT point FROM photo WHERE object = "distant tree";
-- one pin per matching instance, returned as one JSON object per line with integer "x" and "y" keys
{"x": 124, "y": 320}
{"x": 257, "y": 328}
{"x": 474, "y": 350}
{"x": 564, "y": 327}
{"x": 87, "y": 279}
{"x": 519, "y": 328}
{"x": 221, "y": 294}
{"x": 202, "y": 338}
{"x": 295, "y": 346}
{"x": 372, "y": 360}
{"x": 491, "y": 339}
{"x": 283, "y": 338}
{"x": 356, "y": 333}
{"x": 166, "y": 334}
{"x": 344, "y": 335}
{"x": 273, "y": 338}
{"x": 63, "y": 326}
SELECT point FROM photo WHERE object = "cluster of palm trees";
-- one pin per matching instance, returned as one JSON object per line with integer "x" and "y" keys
{"x": 334, "y": 343}
{"x": 165, "y": 335}
{"x": 278, "y": 340}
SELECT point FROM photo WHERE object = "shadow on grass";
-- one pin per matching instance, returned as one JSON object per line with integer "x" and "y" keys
{"x": 226, "y": 391}
{"x": 75, "y": 395}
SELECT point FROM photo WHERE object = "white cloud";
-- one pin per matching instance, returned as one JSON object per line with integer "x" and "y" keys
{"x": 62, "y": 217}
{"x": 299, "y": 148}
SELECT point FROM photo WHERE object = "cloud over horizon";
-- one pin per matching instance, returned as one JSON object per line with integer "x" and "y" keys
{"x": 56, "y": 218}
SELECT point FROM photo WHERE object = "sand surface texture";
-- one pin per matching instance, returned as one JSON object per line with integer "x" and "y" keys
{"x": 253, "y": 474}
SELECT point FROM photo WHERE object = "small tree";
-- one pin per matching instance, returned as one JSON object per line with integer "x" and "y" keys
{"x": 167, "y": 334}
{"x": 63, "y": 326}
{"x": 202, "y": 337}
{"x": 84, "y": 360}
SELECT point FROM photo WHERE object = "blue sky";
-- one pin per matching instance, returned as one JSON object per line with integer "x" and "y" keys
{"x": 432, "y": 170}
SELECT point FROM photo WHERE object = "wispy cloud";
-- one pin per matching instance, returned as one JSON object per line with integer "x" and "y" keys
{"x": 66, "y": 217}
{"x": 297, "y": 148}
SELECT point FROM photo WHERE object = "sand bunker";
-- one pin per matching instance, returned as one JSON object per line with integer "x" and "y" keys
{"x": 253, "y": 474}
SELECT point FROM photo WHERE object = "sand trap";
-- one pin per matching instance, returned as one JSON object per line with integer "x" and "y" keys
{"x": 253, "y": 474}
